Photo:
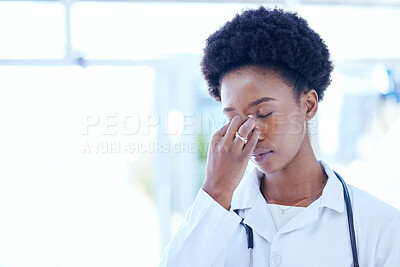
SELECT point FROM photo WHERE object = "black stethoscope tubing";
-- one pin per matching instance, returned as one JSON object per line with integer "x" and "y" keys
{"x": 250, "y": 238}
{"x": 349, "y": 220}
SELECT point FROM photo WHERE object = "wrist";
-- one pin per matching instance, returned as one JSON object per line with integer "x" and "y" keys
{"x": 222, "y": 196}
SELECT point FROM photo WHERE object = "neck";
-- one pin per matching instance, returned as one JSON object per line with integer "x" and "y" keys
{"x": 302, "y": 179}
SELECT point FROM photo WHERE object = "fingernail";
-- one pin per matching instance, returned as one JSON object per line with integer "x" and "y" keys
{"x": 250, "y": 116}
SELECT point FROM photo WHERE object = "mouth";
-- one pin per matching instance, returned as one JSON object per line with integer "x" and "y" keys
{"x": 262, "y": 155}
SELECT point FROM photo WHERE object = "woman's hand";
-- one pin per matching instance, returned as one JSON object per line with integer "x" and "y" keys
{"x": 228, "y": 157}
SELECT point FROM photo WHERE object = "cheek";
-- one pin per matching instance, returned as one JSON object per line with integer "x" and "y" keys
{"x": 283, "y": 127}
{"x": 295, "y": 124}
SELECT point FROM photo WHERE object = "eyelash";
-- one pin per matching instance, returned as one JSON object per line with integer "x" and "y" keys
{"x": 263, "y": 116}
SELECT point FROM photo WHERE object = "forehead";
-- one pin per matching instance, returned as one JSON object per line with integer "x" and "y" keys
{"x": 250, "y": 83}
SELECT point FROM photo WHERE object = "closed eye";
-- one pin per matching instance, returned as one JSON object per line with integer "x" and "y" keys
{"x": 263, "y": 116}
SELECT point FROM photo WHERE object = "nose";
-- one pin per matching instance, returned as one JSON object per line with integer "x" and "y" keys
{"x": 261, "y": 136}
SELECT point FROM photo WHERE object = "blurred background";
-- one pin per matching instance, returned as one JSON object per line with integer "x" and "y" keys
{"x": 105, "y": 119}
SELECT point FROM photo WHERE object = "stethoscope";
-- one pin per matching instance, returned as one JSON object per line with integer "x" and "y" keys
{"x": 250, "y": 238}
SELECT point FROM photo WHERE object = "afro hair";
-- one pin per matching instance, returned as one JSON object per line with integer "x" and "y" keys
{"x": 279, "y": 40}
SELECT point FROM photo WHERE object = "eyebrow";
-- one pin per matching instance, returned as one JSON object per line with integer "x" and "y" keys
{"x": 252, "y": 104}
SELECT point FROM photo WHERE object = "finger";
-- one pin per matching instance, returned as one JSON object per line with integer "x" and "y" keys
{"x": 222, "y": 131}
{"x": 233, "y": 127}
{"x": 252, "y": 142}
{"x": 244, "y": 131}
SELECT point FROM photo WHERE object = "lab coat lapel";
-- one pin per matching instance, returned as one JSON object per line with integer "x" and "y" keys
{"x": 248, "y": 197}
{"x": 259, "y": 218}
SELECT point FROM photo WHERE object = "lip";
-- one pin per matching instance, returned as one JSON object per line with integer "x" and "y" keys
{"x": 261, "y": 155}
{"x": 260, "y": 151}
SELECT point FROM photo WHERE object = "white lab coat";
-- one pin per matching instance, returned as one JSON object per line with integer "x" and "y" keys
{"x": 316, "y": 237}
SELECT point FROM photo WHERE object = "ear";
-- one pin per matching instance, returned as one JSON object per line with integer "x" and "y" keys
{"x": 309, "y": 104}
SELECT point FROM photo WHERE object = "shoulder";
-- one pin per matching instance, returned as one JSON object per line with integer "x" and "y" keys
{"x": 377, "y": 227}
{"x": 371, "y": 210}
{"x": 365, "y": 206}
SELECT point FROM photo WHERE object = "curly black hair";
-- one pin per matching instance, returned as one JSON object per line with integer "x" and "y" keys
{"x": 276, "y": 39}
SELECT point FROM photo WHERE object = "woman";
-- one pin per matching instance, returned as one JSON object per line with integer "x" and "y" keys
{"x": 270, "y": 70}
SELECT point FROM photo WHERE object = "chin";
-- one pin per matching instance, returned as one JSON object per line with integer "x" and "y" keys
{"x": 270, "y": 166}
{"x": 264, "y": 167}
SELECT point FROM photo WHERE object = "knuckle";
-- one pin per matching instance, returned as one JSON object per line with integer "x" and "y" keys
{"x": 225, "y": 147}
{"x": 212, "y": 146}
{"x": 214, "y": 138}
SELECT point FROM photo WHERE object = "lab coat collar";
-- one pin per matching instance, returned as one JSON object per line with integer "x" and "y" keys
{"x": 248, "y": 190}
{"x": 332, "y": 196}
{"x": 260, "y": 219}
